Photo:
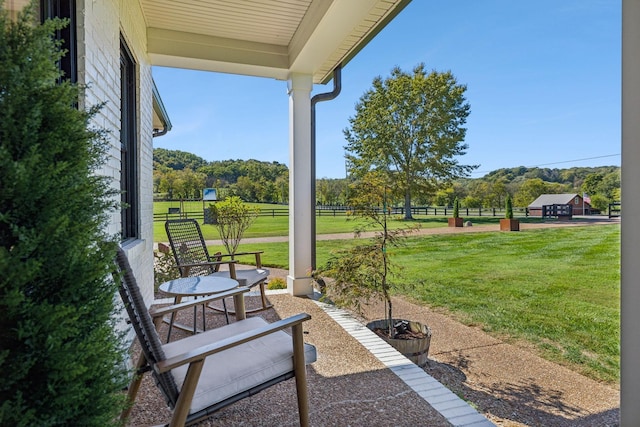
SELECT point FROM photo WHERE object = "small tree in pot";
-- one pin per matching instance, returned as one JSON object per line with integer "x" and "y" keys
{"x": 361, "y": 273}
{"x": 508, "y": 223}
{"x": 455, "y": 220}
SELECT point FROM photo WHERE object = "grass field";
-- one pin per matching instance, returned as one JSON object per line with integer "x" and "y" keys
{"x": 554, "y": 289}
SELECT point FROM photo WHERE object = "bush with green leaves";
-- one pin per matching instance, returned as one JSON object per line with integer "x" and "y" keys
{"x": 233, "y": 217}
{"x": 600, "y": 203}
{"x": 277, "y": 283}
{"x": 164, "y": 266}
{"x": 61, "y": 359}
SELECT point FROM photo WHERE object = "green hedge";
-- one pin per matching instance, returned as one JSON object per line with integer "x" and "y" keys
{"x": 61, "y": 360}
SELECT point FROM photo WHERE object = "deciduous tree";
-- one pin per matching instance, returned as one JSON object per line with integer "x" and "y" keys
{"x": 411, "y": 127}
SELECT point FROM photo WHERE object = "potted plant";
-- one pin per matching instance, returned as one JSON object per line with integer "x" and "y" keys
{"x": 508, "y": 223}
{"x": 455, "y": 220}
{"x": 353, "y": 276}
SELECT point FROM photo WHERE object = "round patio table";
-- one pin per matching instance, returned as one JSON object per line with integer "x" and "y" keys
{"x": 196, "y": 287}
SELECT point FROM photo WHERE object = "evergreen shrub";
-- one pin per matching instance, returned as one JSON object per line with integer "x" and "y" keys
{"x": 61, "y": 360}
{"x": 508, "y": 208}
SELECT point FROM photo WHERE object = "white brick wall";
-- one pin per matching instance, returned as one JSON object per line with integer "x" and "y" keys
{"x": 100, "y": 26}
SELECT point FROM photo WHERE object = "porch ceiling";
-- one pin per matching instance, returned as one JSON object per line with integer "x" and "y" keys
{"x": 266, "y": 38}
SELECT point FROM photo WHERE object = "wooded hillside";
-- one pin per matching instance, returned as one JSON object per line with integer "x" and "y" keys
{"x": 178, "y": 174}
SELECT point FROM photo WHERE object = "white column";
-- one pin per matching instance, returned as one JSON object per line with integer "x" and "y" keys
{"x": 300, "y": 206}
{"x": 630, "y": 239}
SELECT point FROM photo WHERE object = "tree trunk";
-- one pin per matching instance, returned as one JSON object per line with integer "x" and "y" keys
{"x": 407, "y": 204}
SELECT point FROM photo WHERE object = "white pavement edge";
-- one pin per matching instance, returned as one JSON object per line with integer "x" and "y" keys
{"x": 458, "y": 412}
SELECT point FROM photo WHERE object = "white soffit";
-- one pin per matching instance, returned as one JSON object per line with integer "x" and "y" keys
{"x": 266, "y": 38}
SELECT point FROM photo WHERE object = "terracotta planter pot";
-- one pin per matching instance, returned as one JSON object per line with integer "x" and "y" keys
{"x": 455, "y": 222}
{"x": 416, "y": 350}
{"x": 509, "y": 224}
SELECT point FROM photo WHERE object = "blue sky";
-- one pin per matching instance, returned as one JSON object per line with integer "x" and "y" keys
{"x": 543, "y": 81}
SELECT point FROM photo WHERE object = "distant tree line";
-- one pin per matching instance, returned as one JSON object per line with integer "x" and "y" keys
{"x": 178, "y": 174}
{"x": 181, "y": 175}
{"x": 524, "y": 185}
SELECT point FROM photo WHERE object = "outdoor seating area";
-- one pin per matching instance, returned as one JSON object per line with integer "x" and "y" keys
{"x": 202, "y": 373}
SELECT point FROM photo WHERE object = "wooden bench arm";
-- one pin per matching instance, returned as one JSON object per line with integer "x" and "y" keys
{"x": 239, "y": 253}
{"x": 156, "y": 312}
{"x": 184, "y": 268}
{"x": 200, "y": 353}
{"x": 212, "y": 263}
{"x": 257, "y": 254}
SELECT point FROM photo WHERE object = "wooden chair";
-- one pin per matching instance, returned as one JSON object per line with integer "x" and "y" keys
{"x": 203, "y": 373}
{"x": 193, "y": 259}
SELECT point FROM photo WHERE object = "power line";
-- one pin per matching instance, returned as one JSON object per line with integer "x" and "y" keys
{"x": 557, "y": 163}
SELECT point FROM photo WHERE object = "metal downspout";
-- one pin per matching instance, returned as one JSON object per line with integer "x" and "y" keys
{"x": 327, "y": 96}
{"x": 157, "y": 133}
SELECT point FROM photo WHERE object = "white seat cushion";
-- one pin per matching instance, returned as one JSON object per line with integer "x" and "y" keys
{"x": 247, "y": 278}
{"x": 240, "y": 368}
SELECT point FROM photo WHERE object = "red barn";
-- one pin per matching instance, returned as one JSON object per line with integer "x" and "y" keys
{"x": 578, "y": 205}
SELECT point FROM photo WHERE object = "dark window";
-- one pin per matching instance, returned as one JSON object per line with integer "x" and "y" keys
{"x": 64, "y": 9}
{"x": 129, "y": 146}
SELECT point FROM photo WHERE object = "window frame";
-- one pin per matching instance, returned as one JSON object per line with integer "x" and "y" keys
{"x": 65, "y": 9}
{"x": 130, "y": 209}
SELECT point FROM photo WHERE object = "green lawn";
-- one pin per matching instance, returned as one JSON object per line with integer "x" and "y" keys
{"x": 266, "y": 227}
{"x": 269, "y": 226}
{"x": 556, "y": 289}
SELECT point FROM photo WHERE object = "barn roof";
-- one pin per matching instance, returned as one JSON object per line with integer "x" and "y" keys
{"x": 553, "y": 199}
